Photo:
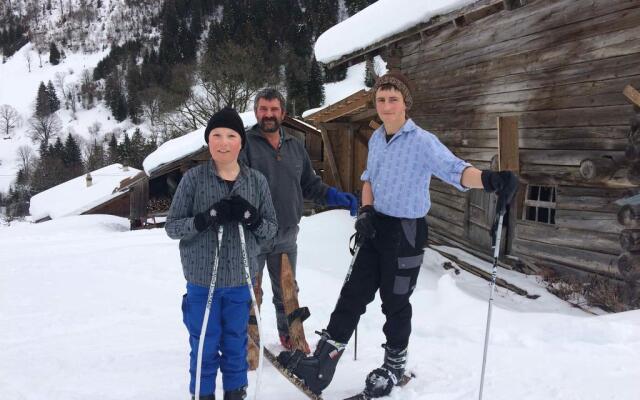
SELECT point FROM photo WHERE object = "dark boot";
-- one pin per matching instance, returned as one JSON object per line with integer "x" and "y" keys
{"x": 316, "y": 371}
{"x": 237, "y": 394}
{"x": 381, "y": 380}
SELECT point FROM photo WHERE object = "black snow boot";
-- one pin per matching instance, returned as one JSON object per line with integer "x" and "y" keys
{"x": 238, "y": 394}
{"x": 317, "y": 370}
{"x": 381, "y": 380}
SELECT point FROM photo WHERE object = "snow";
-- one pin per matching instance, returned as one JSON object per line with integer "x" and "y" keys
{"x": 352, "y": 83}
{"x": 74, "y": 197}
{"x": 90, "y": 309}
{"x": 177, "y": 148}
{"x": 379, "y": 21}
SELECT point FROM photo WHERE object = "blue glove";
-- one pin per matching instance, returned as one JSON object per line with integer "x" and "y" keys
{"x": 342, "y": 199}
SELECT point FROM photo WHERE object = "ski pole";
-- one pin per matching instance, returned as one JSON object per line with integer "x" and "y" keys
{"x": 356, "y": 249}
{"x": 494, "y": 273}
{"x": 205, "y": 321}
{"x": 247, "y": 273}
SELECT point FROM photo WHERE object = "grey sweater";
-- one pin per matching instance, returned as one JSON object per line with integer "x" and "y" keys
{"x": 198, "y": 190}
{"x": 289, "y": 173}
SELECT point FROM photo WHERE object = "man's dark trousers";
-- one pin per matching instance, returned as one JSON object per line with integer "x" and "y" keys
{"x": 389, "y": 262}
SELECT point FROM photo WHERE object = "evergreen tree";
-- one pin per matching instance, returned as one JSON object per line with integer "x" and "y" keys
{"x": 54, "y": 54}
{"x": 112, "y": 151}
{"x": 97, "y": 156}
{"x": 369, "y": 74}
{"x": 125, "y": 151}
{"x": 169, "y": 48}
{"x": 43, "y": 105}
{"x": 354, "y": 6}
{"x": 134, "y": 85}
{"x": 54, "y": 103}
{"x": 315, "y": 85}
{"x": 137, "y": 149}
{"x": 72, "y": 158}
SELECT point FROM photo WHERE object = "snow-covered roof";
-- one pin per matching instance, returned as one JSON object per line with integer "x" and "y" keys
{"x": 74, "y": 197}
{"x": 180, "y": 147}
{"x": 379, "y": 21}
{"x": 352, "y": 83}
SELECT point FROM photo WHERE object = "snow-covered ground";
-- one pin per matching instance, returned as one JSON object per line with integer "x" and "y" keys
{"x": 89, "y": 309}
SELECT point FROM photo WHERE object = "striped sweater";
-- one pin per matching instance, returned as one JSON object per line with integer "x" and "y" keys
{"x": 198, "y": 190}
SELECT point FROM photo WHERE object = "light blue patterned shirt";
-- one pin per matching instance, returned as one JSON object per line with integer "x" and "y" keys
{"x": 400, "y": 171}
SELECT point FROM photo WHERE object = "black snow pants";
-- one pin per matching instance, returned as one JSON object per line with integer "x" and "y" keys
{"x": 389, "y": 262}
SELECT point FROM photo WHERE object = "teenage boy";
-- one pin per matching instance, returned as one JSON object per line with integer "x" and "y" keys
{"x": 392, "y": 230}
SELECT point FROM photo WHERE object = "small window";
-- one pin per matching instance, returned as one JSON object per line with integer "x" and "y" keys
{"x": 540, "y": 204}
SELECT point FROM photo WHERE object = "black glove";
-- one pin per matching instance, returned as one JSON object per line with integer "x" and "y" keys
{"x": 218, "y": 213}
{"x": 364, "y": 222}
{"x": 503, "y": 183}
{"x": 245, "y": 212}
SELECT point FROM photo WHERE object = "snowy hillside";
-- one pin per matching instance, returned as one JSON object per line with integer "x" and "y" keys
{"x": 89, "y": 309}
{"x": 18, "y": 88}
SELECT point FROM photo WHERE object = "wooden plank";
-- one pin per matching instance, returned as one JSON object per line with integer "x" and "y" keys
{"x": 632, "y": 94}
{"x": 508, "y": 159}
{"x": 349, "y": 160}
{"x": 569, "y": 118}
{"x": 331, "y": 159}
{"x": 589, "y": 199}
{"x": 450, "y": 215}
{"x": 585, "y": 260}
{"x": 568, "y": 237}
{"x": 501, "y": 100}
{"x": 581, "y": 138}
{"x": 444, "y": 227}
{"x": 588, "y": 220}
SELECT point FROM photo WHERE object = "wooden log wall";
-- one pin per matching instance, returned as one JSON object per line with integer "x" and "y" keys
{"x": 349, "y": 146}
{"x": 560, "y": 66}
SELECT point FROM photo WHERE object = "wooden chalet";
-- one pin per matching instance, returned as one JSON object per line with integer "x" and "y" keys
{"x": 534, "y": 86}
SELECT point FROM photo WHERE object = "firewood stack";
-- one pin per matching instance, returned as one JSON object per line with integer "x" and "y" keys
{"x": 158, "y": 206}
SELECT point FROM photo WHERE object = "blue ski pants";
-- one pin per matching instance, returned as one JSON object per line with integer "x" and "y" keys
{"x": 225, "y": 345}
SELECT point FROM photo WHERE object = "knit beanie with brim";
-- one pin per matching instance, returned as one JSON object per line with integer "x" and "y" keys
{"x": 226, "y": 118}
{"x": 398, "y": 81}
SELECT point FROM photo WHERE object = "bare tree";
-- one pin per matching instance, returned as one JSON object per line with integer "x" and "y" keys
{"x": 25, "y": 158}
{"x": 44, "y": 128}
{"x": 27, "y": 58}
{"x": 9, "y": 118}
{"x": 94, "y": 129}
{"x": 58, "y": 80}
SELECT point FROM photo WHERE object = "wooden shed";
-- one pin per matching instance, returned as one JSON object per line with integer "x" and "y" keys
{"x": 539, "y": 82}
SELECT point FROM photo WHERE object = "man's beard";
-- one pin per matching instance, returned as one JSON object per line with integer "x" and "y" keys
{"x": 275, "y": 127}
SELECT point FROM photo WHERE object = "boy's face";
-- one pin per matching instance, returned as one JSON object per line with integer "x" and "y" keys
{"x": 269, "y": 114}
{"x": 390, "y": 106}
{"x": 224, "y": 145}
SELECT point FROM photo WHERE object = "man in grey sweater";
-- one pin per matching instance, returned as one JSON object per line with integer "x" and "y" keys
{"x": 285, "y": 163}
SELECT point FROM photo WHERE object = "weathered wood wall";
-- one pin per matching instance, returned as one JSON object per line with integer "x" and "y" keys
{"x": 349, "y": 146}
{"x": 561, "y": 66}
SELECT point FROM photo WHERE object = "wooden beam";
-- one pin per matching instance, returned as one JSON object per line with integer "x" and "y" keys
{"x": 632, "y": 94}
{"x": 332, "y": 161}
{"x": 508, "y": 149}
{"x": 350, "y": 158}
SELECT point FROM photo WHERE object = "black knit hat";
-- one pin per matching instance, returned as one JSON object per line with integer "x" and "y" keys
{"x": 226, "y": 118}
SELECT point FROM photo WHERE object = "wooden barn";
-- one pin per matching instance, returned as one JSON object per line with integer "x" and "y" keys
{"x": 534, "y": 86}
